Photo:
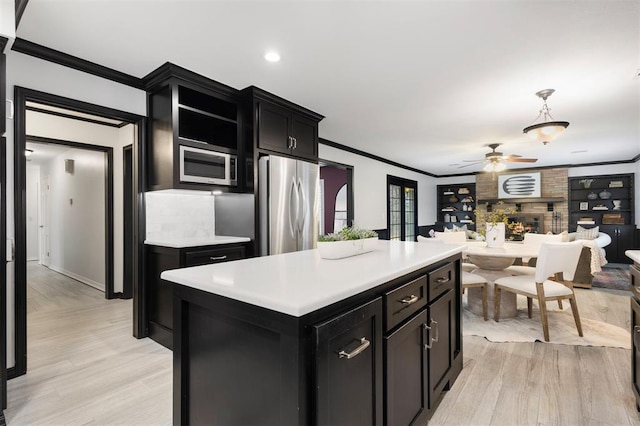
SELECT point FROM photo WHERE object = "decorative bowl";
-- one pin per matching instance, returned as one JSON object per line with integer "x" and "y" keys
{"x": 341, "y": 249}
{"x": 592, "y": 196}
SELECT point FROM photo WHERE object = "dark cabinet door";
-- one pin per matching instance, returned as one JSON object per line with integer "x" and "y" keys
{"x": 440, "y": 343}
{"x": 406, "y": 372}
{"x": 622, "y": 239}
{"x": 305, "y": 137}
{"x": 273, "y": 128}
{"x": 635, "y": 350}
{"x": 348, "y": 358}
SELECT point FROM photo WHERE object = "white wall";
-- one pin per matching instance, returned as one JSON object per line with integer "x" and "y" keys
{"x": 33, "y": 182}
{"x": 370, "y": 188}
{"x": 33, "y": 73}
{"x": 77, "y": 216}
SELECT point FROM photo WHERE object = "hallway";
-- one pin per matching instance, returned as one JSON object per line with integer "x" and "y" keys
{"x": 84, "y": 365}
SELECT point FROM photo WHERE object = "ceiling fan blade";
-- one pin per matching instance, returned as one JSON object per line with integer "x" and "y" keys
{"x": 471, "y": 163}
{"x": 512, "y": 159}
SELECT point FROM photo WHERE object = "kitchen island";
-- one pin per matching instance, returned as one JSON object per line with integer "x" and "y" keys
{"x": 296, "y": 339}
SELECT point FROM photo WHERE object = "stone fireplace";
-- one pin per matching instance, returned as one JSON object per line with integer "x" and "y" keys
{"x": 534, "y": 212}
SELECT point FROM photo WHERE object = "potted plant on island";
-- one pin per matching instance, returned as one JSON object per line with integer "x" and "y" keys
{"x": 496, "y": 222}
{"x": 350, "y": 241}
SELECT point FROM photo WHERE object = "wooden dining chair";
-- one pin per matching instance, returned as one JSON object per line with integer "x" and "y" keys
{"x": 531, "y": 239}
{"x": 470, "y": 280}
{"x": 554, "y": 259}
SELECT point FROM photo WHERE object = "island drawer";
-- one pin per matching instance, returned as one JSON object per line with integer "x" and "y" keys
{"x": 441, "y": 280}
{"x": 404, "y": 301}
{"x": 217, "y": 255}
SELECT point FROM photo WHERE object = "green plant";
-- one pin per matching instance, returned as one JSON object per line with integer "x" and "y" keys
{"x": 350, "y": 233}
{"x": 498, "y": 214}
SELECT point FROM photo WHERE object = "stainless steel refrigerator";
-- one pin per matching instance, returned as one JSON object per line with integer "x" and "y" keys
{"x": 289, "y": 204}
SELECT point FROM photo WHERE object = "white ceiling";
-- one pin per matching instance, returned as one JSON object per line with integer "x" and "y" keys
{"x": 423, "y": 83}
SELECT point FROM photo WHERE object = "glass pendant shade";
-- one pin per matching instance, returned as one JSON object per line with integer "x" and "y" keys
{"x": 547, "y": 131}
{"x": 495, "y": 167}
{"x": 548, "y": 128}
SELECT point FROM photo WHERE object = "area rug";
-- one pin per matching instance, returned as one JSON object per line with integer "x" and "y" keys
{"x": 614, "y": 276}
{"x": 562, "y": 328}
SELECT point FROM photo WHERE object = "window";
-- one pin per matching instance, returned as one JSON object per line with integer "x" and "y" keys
{"x": 402, "y": 208}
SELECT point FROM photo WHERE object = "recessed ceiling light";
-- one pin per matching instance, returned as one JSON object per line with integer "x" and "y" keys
{"x": 272, "y": 56}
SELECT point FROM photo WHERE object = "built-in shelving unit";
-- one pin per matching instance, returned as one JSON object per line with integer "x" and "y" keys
{"x": 601, "y": 200}
{"x": 456, "y": 205}
{"x": 605, "y": 201}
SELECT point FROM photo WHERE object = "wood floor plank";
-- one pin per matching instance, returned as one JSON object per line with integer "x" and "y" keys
{"x": 86, "y": 368}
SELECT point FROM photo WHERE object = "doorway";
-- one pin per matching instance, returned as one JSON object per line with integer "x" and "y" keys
{"x": 25, "y": 100}
{"x": 336, "y": 188}
{"x": 69, "y": 199}
{"x": 402, "y": 208}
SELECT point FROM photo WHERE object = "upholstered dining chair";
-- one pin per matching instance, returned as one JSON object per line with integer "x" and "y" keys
{"x": 532, "y": 239}
{"x": 553, "y": 259}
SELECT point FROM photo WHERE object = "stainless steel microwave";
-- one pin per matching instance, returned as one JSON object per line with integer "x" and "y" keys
{"x": 204, "y": 166}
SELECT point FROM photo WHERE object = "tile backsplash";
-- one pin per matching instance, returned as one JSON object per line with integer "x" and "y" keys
{"x": 173, "y": 215}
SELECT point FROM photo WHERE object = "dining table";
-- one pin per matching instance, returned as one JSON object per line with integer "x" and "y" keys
{"x": 493, "y": 263}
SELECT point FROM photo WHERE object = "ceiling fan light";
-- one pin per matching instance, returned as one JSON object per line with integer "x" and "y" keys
{"x": 488, "y": 167}
{"x": 499, "y": 167}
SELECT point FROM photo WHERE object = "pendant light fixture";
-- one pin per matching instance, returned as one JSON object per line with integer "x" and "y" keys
{"x": 546, "y": 130}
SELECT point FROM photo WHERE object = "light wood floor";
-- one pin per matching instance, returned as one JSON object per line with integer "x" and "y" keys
{"x": 86, "y": 368}
{"x": 84, "y": 365}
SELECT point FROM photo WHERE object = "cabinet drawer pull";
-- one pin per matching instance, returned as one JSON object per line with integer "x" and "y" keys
{"x": 443, "y": 280}
{"x": 218, "y": 257}
{"x": 295, "y": 143}
{"x": 364, "y": 344}
{"x": 410, "y": 300}
{"x": 433, "y": 339}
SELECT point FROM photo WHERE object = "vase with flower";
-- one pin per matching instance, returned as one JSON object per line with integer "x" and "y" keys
{"x": 496, "y": 223}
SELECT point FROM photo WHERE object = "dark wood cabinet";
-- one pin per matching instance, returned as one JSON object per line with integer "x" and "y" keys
{"x": 281, "y": 126}
{"x": 383, "y": 356}
{"x": 441, "y": 343}
{"x": 189, "y": 110}
{"x": 160, "y": 292}
{"x": 622, "y": 239}
{"x": 406, "y": 372}
{"x": 456, "y": 204}
{"x": 635, "y": 332}
{"x": 348, "y": 365}
{"x": 423, "y": 354}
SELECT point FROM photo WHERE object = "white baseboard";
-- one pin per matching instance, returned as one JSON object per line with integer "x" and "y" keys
{"x": 84, "y": 280}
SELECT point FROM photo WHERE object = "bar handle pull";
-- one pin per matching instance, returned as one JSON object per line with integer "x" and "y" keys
{"x": 364, "y": 344}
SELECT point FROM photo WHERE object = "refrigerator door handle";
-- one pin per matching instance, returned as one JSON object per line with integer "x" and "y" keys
{"x": 302, "y": 202}
{"x": 293, "y": 208}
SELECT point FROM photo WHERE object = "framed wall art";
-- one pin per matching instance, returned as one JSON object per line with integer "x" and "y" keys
{"x": 523, "y": 185}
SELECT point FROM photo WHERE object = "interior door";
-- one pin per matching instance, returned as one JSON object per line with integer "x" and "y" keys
{"x": 44, "y": 220}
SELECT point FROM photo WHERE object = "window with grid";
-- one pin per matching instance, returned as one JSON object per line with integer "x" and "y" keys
{"x": 402, "y": 208}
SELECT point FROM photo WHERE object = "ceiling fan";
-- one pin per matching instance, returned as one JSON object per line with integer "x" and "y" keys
{"x": 495, "y": 161}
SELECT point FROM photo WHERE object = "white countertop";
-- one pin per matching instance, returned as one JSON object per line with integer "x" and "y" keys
{"x": 633, "y": 255}
{"x": 197, "y": 241}
{"x": 301, "y": 282}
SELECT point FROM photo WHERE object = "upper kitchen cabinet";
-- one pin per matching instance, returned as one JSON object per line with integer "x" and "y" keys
{"x": 195, "y": 132}
{"x": 281, "y": 126}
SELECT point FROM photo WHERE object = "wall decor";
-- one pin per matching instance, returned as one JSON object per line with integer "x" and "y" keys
{"x": 584, "y": 205}
{"x": 523, "y": 185}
